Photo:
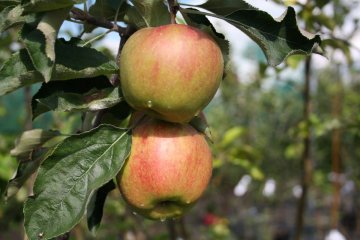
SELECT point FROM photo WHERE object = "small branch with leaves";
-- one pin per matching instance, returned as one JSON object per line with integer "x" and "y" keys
{"x": 80, "y": 15}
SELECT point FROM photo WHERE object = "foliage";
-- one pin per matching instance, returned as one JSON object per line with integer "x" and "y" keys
{"x": 73, "y": 171}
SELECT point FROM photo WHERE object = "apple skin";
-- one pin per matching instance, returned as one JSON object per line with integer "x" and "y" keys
{"x": 169, "y": 167}
{"x": 172, "y": 72}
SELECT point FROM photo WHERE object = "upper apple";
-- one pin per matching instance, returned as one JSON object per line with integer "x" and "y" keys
{"x": 171, "y": 72}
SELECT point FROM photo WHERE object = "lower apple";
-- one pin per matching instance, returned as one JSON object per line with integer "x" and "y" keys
{"x": 168, "y": 169}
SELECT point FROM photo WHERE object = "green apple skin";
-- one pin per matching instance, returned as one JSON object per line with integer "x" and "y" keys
{"x": 169, "y": 167}
{"x": 172, "y": 72}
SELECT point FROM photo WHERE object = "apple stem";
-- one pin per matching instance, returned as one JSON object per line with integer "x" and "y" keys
{"x": 173, "y": 9}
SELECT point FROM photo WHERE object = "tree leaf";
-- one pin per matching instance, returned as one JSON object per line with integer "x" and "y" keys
{"x": 7, "y": 3}
{"x": 227, "y": 7}
{"x": 321, "y": 3}
{"x": 48, "y": 5}
{"x": 12, "y": 16}
{"x": 17, "y": 72}
{"x": 29, "y": 140}
{"x": 200, "y": 124}
{"x": 325, "y": 20}
{"x": 25, "y": 170}
{"x": 107, "y": 9}
{"x": 96, "y": 206}
{"x": 120, "y": 111}
{"x": 39, "y": 39}
{"x": 71, "y": 62}
{"x": 80, "y": 62}
{"x": 231, "y": 135}
{"x": 134, "y": 17}
{"x": 148, "y": 13}
{"x": 90, "y": 101}
{"x": 78, "y": 166}
{"x": 278, "y": 38}
{"x": 33, "y": 147}
{"x": 340, "y": 44}
{"x": 83, "y": 94}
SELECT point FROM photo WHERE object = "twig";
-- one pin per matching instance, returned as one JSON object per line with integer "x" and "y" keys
{"x": 173, "y": 9}
{"x": 307, "y": 164}
{"x": 183, "y": 232}
{"x": 171, "y": 229}
{"x": 79, "y": 14}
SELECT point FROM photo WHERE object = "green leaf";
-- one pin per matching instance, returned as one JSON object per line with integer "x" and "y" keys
{"x": 107, "y": 9}
{"x": 30, "y": 140}
{"x": 242, "y": 162}
{"x": 39, "y": 39}
{"x": 83, "y": 94}
{"x": 321, "y": 3}
{"x": 78, "y": 166}
{"x": 7, "y": 3}
{"x": 71, "y": 62}
{"x": 96, "y": 206}
{"x": 120, "y": 111}
{"x": 49, "y": 5}
{"x": 227, "y": 7}
{"x": 32, "y": 148}
{"x": 148, "y": 13}
{"x": 80, "y": 62}
{"x": 342, "y": 45}
{"x": 12, "y": 16}
{"x": 90, "y": 101}
{"x": 325, "y": 20}
{"x": 231, "y": 135}
{"x": 133, "y": 17}
{"x": 278, "y": 38}
{"x": 200, "y": 124}
{"x": 256, "y": 173}
{"x": 17, "y": 72}
{"x": 25, "y": 170}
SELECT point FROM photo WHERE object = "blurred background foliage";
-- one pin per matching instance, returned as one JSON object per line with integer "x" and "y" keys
{"x": 257, "y": 125}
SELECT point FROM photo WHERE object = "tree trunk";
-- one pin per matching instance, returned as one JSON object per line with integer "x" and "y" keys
{"x": 307, "y": 166}
{"x": 335, "y": 155}
{"x": 171, "y": 229}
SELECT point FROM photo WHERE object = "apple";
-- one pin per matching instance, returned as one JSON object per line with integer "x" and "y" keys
{"x": 168, "y": 168}
{"x": 171, "y": 72}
